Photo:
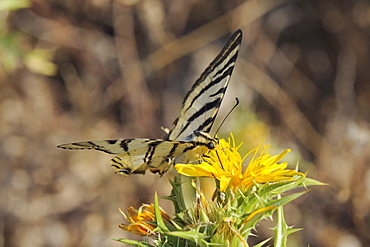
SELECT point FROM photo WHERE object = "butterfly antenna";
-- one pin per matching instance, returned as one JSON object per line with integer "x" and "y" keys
{"x": 236, "y": 104}
{"x": 219, "y": 159}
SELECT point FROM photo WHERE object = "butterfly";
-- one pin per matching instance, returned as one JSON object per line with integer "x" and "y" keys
{"x": 189, "y": 139}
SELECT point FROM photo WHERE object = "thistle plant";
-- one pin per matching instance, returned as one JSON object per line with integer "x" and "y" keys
{"x": 243, "y": 196}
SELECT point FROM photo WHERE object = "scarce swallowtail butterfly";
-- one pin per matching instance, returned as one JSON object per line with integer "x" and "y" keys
{"x": 189, "y": 140}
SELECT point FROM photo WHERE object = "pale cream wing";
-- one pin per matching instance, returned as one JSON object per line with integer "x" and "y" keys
{"x": 135, "y": 156}
{"x": 108, "y": 146}
{"x": 203, "y": 101}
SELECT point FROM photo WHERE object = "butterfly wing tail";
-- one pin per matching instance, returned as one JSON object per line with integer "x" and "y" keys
{"x": 107, "y": 146}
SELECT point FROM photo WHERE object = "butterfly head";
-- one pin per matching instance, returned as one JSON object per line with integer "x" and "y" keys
{"x": 205, "y": 139}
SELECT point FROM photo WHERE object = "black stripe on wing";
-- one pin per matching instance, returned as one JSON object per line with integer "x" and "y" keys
{"x": 215, "y": 80}
{"x": 209, "y": 121}
{"x": 233, "y": 42}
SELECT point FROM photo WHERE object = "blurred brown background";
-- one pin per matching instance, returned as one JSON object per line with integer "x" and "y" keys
{"x": 89, "y": 70}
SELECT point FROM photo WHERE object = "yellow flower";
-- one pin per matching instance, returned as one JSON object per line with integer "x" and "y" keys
{"x": 226, "y": 165}
{"x": 142, "y": 221}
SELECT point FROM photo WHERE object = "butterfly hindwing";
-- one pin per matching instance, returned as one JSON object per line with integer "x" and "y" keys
{"x": 135, "y": 156}
{"x": 189, "y": 140}
{"x": 157, "y": 156}
{"x": 108, "y": 146}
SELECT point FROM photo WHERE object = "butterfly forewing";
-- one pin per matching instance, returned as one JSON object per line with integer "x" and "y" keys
{"x": 203, "y": 101}
{"x": 189, "y": 140}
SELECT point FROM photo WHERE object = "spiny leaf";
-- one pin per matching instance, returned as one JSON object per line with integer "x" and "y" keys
{"x": 284, "y": 200}
{"x": 177, "y": 195}
{"x": 158, "y": 216}
{"x": 262, "y": 243}
{"x": 193, "y": 235}
{"x": 133, "y": 242}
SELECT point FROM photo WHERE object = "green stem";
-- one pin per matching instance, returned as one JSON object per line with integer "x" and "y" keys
{"x": 280, "y": 236}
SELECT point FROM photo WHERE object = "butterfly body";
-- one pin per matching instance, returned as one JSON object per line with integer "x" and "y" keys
{"x": 189, "y": 140}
